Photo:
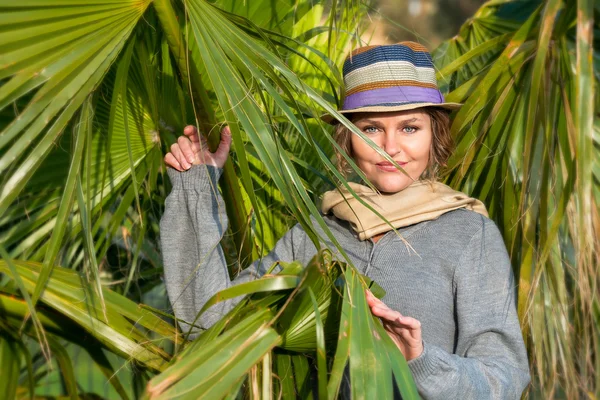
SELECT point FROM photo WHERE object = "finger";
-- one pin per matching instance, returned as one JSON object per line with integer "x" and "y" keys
{"x": 222, "y": 151}
{"x": 386, "y": 313}
{"x": 192, "y": 132}
{"x": 196, "y": 147}
{"x": 179, "y": 156}
{"x": 405, "y": 337}
{"x": 397, "y": 337}
{"x": 203, "y": 143}
{"x": 185, "y": 145}
{"x": 410, "y": 323}
{"x": 407, "y": 327}
{"x": 225, "y": 143}
{"x": 172, "y": 162}
{"x": 372, "y": 300}
{"x": 375, "y": 302}
{"x": 394, "y": 329}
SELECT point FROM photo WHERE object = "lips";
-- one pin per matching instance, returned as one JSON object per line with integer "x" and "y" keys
{"x": 389, "y": 167}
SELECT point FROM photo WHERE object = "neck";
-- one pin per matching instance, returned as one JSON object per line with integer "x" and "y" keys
{"x": 376, "y": 238}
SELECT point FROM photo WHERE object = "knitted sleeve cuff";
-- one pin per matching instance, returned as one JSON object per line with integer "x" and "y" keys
{"x": 426, "y": 364}
{"x": 199, "y": 178}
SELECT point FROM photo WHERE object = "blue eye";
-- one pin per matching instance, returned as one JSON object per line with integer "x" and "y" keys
{"x": 370, "y": 129}
{"x": 409, "y": 129}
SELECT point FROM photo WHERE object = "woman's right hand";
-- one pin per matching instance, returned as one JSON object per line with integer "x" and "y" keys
{"x": 192, "y": 149}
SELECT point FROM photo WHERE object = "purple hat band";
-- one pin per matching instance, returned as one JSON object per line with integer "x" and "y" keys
{"x": 392, "y": 95}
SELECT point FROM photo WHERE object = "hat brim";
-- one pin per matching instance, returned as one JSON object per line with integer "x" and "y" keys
{"x": 328, "y": 118}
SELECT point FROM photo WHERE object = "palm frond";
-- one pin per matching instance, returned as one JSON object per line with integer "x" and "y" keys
{"x": 525, "y": 148}
{"x": 63, "y": 62}
{"x": 327, "y": 305}
{"x": 114, "y": 326}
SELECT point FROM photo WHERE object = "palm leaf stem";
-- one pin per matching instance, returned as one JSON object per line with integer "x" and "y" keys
{"x": 188, "y": 70}
{"x": 206, "y": 121}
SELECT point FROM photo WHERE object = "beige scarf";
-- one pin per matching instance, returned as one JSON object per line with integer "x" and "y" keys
{"x": 421, "y": 201}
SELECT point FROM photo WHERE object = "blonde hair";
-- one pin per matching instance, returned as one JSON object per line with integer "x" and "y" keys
{"x": 442, "y": 144}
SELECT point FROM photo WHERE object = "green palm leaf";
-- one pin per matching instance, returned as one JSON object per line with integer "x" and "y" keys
{"x": 327, "y": 304}
{"x": 114, "y": 326}
{"x": 10, "y": 356}
{"x": 517, "y": 151}
{"x": 66, "y": 61}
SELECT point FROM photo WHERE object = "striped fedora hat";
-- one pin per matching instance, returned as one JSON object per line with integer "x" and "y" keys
{"x": 390, "y": 78}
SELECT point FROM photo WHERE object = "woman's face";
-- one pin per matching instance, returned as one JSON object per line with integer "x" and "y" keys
{"x": 405, "y": 135}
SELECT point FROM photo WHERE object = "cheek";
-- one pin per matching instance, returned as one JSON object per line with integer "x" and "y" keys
{"x": 360, "y": 150}
{"x": 422, "y": 149}
{"x": 418, "y": 152}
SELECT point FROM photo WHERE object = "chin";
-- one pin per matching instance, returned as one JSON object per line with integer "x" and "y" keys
{"x": 393, "y": 186}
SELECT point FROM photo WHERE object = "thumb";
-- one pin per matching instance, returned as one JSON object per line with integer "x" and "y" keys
{"x": 222, "y": 151}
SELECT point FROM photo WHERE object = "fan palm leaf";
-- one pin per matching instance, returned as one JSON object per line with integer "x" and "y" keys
{"x": 64, "y": 62}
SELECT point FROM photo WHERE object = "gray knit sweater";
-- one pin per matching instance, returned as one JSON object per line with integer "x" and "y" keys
{"x": 459, "y": 285}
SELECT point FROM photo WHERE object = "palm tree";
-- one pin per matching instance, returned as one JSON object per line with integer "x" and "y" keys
{"x": 528, "y": 146}
{"x": 92, "y": 92}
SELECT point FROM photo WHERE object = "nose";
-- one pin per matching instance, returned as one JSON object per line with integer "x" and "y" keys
{"x": 390, "y": 143}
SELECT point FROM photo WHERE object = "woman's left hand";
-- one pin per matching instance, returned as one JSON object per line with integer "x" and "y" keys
{"x": 404, "y": 331}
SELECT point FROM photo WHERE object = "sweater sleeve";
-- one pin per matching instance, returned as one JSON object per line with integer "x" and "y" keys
{"x": 490, "y": 360}
{"x": 191, "y": 229}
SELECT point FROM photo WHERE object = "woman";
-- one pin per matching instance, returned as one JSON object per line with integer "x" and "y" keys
{"x": 450, "y": 303}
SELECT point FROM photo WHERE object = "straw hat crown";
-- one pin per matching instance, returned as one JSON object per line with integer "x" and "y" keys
{"x": 390, "y": 78}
